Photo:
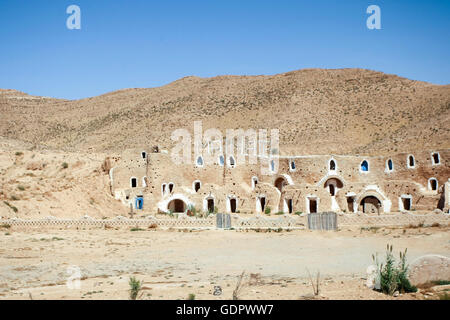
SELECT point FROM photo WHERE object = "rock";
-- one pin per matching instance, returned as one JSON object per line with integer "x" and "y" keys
{"x": 371, "y": 276}
{"x": 396, "y": 294}
{"x": 429, "y": 268}
{"x": 440, "y": 288}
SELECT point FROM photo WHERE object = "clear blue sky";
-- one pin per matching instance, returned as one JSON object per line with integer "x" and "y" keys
{"x": 144, "y": 43}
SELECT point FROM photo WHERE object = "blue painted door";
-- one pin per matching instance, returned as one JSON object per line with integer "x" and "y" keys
{"x": 139, "y": 203}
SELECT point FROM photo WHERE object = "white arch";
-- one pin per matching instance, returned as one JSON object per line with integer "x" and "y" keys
{"x": 163, "y": 204}
{"x": 288, "y": 178}
{"x": 335, "y": 165}
{"x": 375, "y": 191}
{"x": 368, "y": 166}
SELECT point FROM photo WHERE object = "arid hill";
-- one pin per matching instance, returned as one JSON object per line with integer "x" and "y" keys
{"x": 317, "y": 112}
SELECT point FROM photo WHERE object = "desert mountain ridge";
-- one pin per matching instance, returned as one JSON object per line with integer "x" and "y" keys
{"x": 318, "y": 111}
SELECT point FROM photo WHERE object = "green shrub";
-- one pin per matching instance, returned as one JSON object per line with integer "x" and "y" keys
{"x": 191, "y": 296}
{"x": 18, "y": 153}
{"x": 393, "y": 277}
{"x": 267, "y": 210}
{"x": 135, "y": 287}
{"x": 65, "y": 165}
{"x": 21, "y": 188}
{"x": 298, "y": 213}
{"x": 403, "y": 284}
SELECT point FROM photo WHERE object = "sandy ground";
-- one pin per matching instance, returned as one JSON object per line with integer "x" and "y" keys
{"x": 176, "y": 263}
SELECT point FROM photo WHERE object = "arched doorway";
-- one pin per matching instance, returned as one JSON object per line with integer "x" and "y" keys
{"x": 280, "y": 183}
{"x": 333, "y": 185}
{"x": 177, "y": 206}
{"x": 370, "y": 204}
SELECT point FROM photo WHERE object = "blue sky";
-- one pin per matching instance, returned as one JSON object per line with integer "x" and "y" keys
{"x": 128, "y": 44}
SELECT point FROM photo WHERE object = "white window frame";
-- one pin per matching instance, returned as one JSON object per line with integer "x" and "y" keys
{"x": 432, "y": 159}
{"x": 368, "y": 166}
{"x": 407, "y": 161}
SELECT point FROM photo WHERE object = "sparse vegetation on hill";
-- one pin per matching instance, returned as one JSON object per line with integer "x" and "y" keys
{"x": 317, "y": 111}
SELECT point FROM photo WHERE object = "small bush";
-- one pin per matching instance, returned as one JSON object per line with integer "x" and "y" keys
{"x": 21, "y": 188}
{"x": 267, "y": 210}
{"x": 191, "y": 296}
{"x": 136, "y": 229}
{"x": 11, "y": 206}
{"x": 18, "y": 153}
{"x": 135, "y": 287}
{"x": 393, "y": 277}
{"x": 5, "y": 226}
{"x": 65, "y": 165}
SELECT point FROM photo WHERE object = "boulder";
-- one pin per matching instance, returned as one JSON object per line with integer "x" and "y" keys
{"x": 429, "y": 268}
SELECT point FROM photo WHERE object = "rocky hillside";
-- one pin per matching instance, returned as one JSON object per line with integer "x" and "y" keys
{"x": 317, "y": 111}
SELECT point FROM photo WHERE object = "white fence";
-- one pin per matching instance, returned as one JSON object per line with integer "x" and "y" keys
{"x": 237, "y": 222}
